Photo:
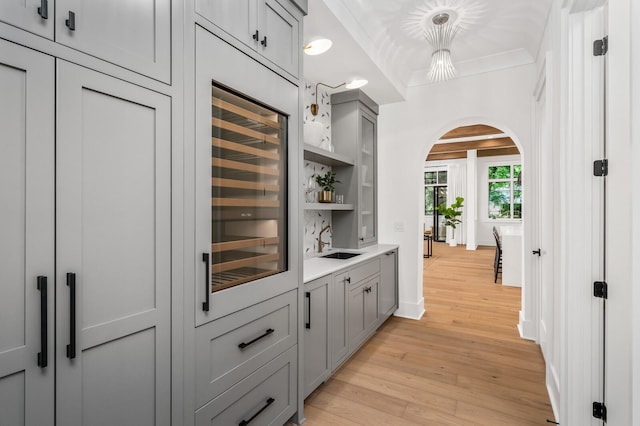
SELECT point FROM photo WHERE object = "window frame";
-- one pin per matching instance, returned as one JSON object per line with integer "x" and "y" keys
{"x": 512, "y": 188}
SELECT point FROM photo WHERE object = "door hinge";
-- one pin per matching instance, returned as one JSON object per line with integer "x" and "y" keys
{"x": 600, "y": 289}
{"x": 601, "y": 46}
{"x": 601, "y": 167}
{"x": 600, "y": 411}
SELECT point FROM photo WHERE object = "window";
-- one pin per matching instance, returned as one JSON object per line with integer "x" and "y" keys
{"x": 505, "y": 193}
{"x": 431, "y": 180}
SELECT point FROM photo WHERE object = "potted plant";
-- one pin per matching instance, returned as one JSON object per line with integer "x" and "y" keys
{"x": 452, "y": 217}
{"x": 328, "y": 184}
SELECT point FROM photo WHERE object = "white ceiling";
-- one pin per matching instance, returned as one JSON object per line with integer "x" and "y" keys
{"x": 382, "y": 40}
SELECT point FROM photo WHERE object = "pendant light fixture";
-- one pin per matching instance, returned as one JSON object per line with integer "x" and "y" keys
{"x": 440, "y": 37}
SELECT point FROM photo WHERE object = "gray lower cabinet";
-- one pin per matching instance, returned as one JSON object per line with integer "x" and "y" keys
{"x": 317, "y": 323}
{"x": 388, "y": 290}
{"x": 342, "y": 310}
{"x": 266, "y": 397}
{"x": 108, "y": 359}
{"x": 232, "y": 347}
{"x": 363, "y": 311}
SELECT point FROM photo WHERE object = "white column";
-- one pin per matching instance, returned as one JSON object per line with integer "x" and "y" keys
{"x": 471, "y": 212}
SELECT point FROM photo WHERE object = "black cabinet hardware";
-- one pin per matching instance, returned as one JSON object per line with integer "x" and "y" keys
{"x": 266, "y": 405}
{"x": 308, "y": 296}
{"x": 42, "y": 355}
{"x": 70, "y": 22}
{"x": 266, "y": 333}
{"x": 264, "y": 41}
{"x": 71, "y": 347}
{"x": 538, "y": 252}
{"x": 367, "y": 289}
{"x": 256, "y": 35}
{"x": 43, "y": 10}
{"x": 348, "y": 279}
{"x": 207, "y": 293}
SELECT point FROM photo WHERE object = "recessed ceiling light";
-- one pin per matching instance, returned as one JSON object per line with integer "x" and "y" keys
{"x": 318, "y": 46}
{"x": 355, "y": 84}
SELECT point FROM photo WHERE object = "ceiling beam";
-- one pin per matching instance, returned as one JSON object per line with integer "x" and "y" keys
{"x": 499, "y": 151}
{"x": 473, "y": 130}
{"x": 447, "y": 156}
{"x": 465, "y": 146}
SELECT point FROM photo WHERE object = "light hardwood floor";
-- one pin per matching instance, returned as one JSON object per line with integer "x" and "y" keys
{"x": 462, "y": 364}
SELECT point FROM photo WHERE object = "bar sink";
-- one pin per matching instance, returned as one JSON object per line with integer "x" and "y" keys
{"x": 341, "y": 255}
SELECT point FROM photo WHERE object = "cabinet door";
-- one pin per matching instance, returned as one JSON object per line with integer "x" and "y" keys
{"x": 340, "y": 336}
{"x": 113, "y": 216}
{"x": 367, "y": 187}
{"x": 363, "y": 311}
{"x": 279, "y": 36}
{"x": 27, "y": 235}
{"x": 133, "y": 34}
{"x": 236, "y": 17}
{"x": 317, "y": 363}
{"x": 35, "y": 16}
{"x": 388, "y": 284}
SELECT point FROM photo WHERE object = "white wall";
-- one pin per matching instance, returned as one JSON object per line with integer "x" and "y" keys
{"x": 406, "y": 133}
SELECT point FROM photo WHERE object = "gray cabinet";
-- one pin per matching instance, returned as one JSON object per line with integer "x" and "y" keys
{"x": 35, "y": 16}
{"x": 113, "y": 253}
{"x": 27, "y": 229}
{"x": 363, "y": 311}
{"x": 134, "y": 35}
{"x": 354, "y": 133}
{"x": 388, "y": 290}
{"x": 340, "y": 327}
{"x": 110, "y": 353}
{"x": 264, "y": 26}
{"x": 317, "y": 319}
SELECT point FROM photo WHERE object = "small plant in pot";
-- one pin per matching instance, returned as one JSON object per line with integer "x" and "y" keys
{"x": 328, "y": 184}
{"x": 452, "y": 217}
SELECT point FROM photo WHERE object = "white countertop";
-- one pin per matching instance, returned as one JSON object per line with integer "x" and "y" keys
{"x": 317, "y": 266}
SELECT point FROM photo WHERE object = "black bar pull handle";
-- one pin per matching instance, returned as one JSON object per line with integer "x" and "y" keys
{"x": 70, "y": 22}
{"x": 348, "y": 279}
{"x": 71, "y": 347}
{"x": 266, "y": 405}
{"x": 264, "y": 41}
{"x": 538, "y": 252}
{"x": 207, "y": 293}
{"x": 256, "y": 35}
{"x": 266, "y": 333}
{"x": 42, "y": 355}
{"x": 308, "y": 296}
{"x": 43, "y": 9}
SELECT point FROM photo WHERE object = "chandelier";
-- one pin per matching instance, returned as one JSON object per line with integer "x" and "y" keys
{"x": 440, "y": 37}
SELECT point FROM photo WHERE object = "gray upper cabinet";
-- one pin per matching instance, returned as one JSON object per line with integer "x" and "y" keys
{"x": 133, "y": 34}
{"x": 27, "y": 230}
{"x": 35, "y": 16}
{"x": 268, "y": 27}
{"x": 113, "y": 253}
{"x": 354, "y": 129}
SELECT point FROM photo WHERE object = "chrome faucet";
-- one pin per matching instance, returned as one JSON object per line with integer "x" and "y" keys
{"x": 320, "y": 242}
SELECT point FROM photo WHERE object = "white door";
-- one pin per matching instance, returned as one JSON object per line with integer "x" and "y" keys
{"x": 132, "y": 34}
{"x": 26, "y": 236}
{"x": 35, "y": 16}
{"x": 113, "y": 247}
{"x": 549, "y": 291}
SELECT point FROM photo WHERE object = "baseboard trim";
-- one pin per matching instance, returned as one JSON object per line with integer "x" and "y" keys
{"x": 413, "y": 311}
{"x": 526, "y": 329}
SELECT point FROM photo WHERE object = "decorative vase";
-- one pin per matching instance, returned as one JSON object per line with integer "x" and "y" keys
{"x": 325, "y": 196}
{"x": 452, "y": 240}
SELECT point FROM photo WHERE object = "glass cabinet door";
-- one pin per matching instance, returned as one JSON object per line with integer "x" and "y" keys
{"x": 367, "y": 208}
{"x": 248, "y": 190}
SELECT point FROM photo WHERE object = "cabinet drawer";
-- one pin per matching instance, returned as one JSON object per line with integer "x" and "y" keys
{"x": 360, "y": 272}
{"x": 234, "y": 346}
{"x": 266, "y": 397}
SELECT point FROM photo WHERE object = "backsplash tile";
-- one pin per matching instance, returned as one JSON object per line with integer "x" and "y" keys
{"x": 315, "y": 220}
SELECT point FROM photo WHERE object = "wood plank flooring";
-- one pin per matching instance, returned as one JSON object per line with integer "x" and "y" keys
{"x": 462, "y": 364}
